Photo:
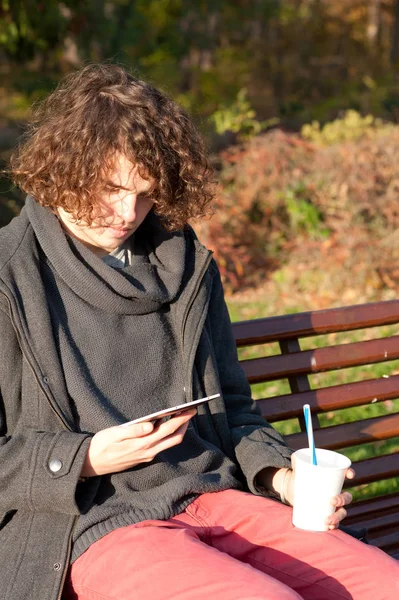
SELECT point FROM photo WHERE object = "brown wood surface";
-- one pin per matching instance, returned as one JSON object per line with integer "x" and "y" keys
{"x": 380, "y": 516}
{"x": 381, "y": 504}
{"x": 344, "y": 435}
{"x": 375, "y": 469}
{"x": 331, "y": 398}
{"x": 386, "y": 541}
{"x": 319, "y": 360}
{"x": 348, "y": 318}
{"x": 298, "y": 384}
{"x": 375, "y": 522}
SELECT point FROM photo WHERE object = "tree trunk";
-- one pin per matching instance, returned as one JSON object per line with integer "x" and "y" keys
{"x": 395, "y": 35}
{"x": 373, "y": 27}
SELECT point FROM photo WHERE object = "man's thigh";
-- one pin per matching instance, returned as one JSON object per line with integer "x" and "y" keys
{"x": 319, "y": 566}
{"x": 167, "y": 562}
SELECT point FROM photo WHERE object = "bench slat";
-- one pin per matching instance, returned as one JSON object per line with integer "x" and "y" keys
{"x": 374, "y": 523}
{"x": 335, "y": 397}
{"x": 319, "y": 360}
{"x": 375, "y": 469}
{"x": 331, "y": 320}
{"x": 375, "y": 514}
{"x": 379, "y": 504}
{"x": 350, "y": 434}
{"x": 385, "y": 542}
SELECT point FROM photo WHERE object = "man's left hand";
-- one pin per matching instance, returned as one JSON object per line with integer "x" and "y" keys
{"x": 339, "y": 501}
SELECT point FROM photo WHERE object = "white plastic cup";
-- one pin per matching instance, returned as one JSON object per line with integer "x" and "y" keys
{"x": 315, "y": 485}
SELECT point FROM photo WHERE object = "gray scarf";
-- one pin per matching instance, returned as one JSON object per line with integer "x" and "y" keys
{"x": 121, "y": 356}
{"x": 113, "y": 328}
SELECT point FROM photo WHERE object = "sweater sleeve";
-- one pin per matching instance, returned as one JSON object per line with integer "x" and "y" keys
{"x": 39, "y": 469}
{"x": 257, "y": 444}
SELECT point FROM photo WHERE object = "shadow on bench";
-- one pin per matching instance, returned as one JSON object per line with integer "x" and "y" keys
{"x": 295, "y": 349}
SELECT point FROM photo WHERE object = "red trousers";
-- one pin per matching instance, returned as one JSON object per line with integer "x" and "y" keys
{"x": 231, "y": 545}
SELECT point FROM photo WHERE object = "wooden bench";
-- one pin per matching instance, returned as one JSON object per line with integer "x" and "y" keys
{"x": 380, "y": 515}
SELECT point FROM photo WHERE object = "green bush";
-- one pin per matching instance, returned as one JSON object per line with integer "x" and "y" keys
{"x": 351, "y": 126}
{"x": 323, "y": 218}
{"x": 304, "y": 217}
{"x": 239, "y": 117}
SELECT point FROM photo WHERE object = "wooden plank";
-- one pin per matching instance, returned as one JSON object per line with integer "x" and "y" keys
{"x": 386, "y": 503}
{"x": 348, "y": 318}
{"x": 289, "y": 406}
{"x": 320, "y": 360}
{"x": 350, "y": 434}
{"x": 375, "y": 469}
{"x": 386, "y": 541}
{"x": 299, "y": 383}
{"x": 373, "y": 513}
{"x": 373, "y": 522}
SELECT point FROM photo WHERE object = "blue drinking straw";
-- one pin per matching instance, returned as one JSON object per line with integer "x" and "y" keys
{"x": 309, "y": 431}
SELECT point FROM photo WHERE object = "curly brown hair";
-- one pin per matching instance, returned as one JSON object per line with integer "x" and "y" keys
{"x": 74, "y": 135}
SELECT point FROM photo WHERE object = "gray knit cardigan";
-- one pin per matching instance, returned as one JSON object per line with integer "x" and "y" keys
{"x": 39, "y": 507}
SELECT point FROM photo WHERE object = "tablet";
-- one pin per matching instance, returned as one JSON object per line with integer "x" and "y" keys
{"x": 167, "y": 413}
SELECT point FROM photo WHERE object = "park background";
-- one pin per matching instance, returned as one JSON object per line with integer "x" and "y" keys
{"x": 298, "y": 101}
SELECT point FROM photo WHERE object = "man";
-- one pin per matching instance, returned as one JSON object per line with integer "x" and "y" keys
{"x": 111, "y": 309}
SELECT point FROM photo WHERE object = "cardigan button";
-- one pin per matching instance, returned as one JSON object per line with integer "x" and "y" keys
{"x": 55, "y": 465}
{"x": 57, "y": 566}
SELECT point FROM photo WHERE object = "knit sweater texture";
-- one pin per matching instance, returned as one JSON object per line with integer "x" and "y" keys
{"x": 121, "y": 355}
{"x": 38, "y": 423}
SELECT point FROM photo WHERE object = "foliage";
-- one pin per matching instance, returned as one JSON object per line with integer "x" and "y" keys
{"x": 28, "y": 27}
{"x": 240, "y": 118}
{"x": 304, "y": 217}
{"x": 200, "y": 52}
{"x": 351, "y": 126}
{"x": 204, "y": 53}
{"x": 320, "y": 220}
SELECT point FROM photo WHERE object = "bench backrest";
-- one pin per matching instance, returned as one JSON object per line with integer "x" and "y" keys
{"x": 297, "y": 347}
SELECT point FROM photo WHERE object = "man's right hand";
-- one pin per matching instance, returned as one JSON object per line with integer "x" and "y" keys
{"x": 119, "y": 448}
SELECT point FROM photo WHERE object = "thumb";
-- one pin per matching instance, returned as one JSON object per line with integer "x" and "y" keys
{"x": 136, "y": 430}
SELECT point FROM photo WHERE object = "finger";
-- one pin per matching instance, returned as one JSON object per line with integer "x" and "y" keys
{"x": 335, "y": 519}
{"x": 165, "y": 443}
{"x": 350, "y": 474}
{"x": 341, "y": 499}
{"x": 136, "y": 430}
{"x": 169, "y": 427}
{"x": 152, "y": 435}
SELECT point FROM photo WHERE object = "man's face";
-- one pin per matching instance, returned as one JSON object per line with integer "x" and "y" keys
{"x": 119, "y": 212}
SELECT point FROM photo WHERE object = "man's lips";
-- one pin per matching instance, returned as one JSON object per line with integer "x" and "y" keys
{"x": 120, "y": 229}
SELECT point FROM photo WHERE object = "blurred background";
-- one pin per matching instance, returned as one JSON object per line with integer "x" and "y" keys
{"x": 299, "y": 103}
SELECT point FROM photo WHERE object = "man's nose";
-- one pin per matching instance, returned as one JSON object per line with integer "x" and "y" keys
{"x": 127, "y": 208}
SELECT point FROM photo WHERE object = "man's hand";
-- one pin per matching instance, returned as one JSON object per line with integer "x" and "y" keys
{"x": 275, "y": 479}
{"x": 119, "y": 448}
{"x": 339, "y": 502}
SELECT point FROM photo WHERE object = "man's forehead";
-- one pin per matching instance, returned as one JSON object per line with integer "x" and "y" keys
{"x": 130, "y": 175}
